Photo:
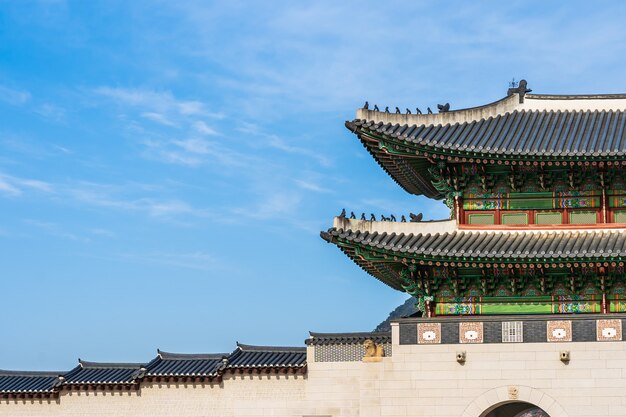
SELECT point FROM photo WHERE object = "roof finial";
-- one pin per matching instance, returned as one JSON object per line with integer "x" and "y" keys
{"x": 520, "y": 88}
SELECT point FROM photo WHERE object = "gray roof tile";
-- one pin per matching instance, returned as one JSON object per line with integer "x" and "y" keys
{"x": 500, "y": 244}
{"x": 24, "y": 382}
{"x": 248, "y": 356}
{"x": 104, "y": 373}
{"x": 347, "y": 338}
{"x": 181, "y": 364}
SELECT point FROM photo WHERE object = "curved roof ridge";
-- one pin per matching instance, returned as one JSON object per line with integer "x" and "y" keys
{"x": 576, "y": 96}
{"x": 467, "y": 114}
{"x": 354, "y": 334}
{"x": 128, "y": 365}
{"x": 5, "y": 372}
{"x": 189, "y": 356}
{"x": 256, "y": 348}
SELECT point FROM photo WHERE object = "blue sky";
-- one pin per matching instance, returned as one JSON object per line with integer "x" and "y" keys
{"x": 166, "y": 167}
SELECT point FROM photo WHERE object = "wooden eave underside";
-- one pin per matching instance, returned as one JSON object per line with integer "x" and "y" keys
{"x": 382, "y": 261}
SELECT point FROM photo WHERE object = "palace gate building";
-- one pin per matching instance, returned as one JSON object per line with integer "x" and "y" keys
{"x": 521, "y": 291}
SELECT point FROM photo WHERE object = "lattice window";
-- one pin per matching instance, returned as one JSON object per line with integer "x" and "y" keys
{"x": 481, "y": 218}
{"x": 620, "y": 216}
{"x": 582, "y": 217}
{"x": 344, "y": 352}
{"x": 548, "y": 217}
{"x": 512, "y": 331}
{"x": 514, "y": 218}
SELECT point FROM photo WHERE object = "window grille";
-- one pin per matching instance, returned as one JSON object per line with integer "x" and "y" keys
{"x": 582, "y": 217}
{"x": 620, "y": 216}
{"x": 480, "y": 218}
{"x": 512, "y": 331}
{"x": 515, "y": 218}
{"x": 548, "y": 217}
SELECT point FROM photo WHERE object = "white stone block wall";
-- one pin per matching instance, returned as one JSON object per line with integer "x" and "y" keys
{"x": 418, "y": 380}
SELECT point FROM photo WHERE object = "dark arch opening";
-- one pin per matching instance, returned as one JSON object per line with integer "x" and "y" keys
{"x": 517, "y": 409}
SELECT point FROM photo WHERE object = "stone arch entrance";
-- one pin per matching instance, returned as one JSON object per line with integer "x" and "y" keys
{"x": 500, "y": 402}
{"x": 516, "y": 409}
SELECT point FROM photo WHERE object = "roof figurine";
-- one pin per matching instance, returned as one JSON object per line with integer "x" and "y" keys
{"x": 443, "y": 108}
{"x": 416, "y": 217}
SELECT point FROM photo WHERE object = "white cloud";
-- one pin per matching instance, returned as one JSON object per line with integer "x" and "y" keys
{"x": 14, "y": 97}
{"x": 102, "y": 195}
{"x": 151, "y": 102}
{"x": 275, "y": 205}
{"x": 311, "y": 186}
{"x": 203, "y": 128}
{"x": 7, "y": 188}
{"x": 55, "y": 229}
{"x": 14, "y": 186}
{"x": 199, "y": 260}
{"x": 158, "y": 118}
{"x": 51, "y": 111}
{"x": 102, "y": 232}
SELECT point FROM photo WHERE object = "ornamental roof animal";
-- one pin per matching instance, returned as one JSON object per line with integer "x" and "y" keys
{"x": 416, "y": 218}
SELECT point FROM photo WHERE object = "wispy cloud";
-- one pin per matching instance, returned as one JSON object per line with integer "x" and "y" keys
{"x": 51, "y": 111}
{"x": 311, "y": 186}
{"x": 109, "y": 196}
{"x": 156, "y": 102}
{"x": 158, "y": 118}
{"x": 14, "y": 186}
{"x": 276, "y": 142}
{"x": 200, "y": 261}
{"x": 102, "y": 232}
{"x": 14, "y": 97}
{"x": 202, "y": 127}
{"x": 54, "y": 229}
{"x": 277, "y": 205}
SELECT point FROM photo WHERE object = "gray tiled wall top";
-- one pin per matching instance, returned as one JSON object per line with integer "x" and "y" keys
{"x": 534, "y": 331}
{"x": 500, "y": 319}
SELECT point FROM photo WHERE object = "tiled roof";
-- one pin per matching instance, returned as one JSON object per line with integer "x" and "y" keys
{"x": 181, "y": 364}
{"x": 23, "y": 382}
{"x": 486, "y": 246}
{"x": 403, "y": 150}
{"x": 104, "y": 373}
{"x": 564, "y": 244}
{"x": 166, "y": 364}
{"x": 247, "y": 356}
{"x": 347, "y": 338}
{"x": 537, "y": 133}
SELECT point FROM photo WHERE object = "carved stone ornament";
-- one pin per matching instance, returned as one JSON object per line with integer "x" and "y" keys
{"x": 513, "y": 392}
{"x": 374, "y": 352}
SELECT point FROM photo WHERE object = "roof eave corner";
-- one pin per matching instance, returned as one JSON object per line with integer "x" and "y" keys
{"x": 351, "y": 126}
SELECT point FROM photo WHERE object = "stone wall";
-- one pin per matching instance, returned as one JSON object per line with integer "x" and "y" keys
{"x": 418, "y": 380}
